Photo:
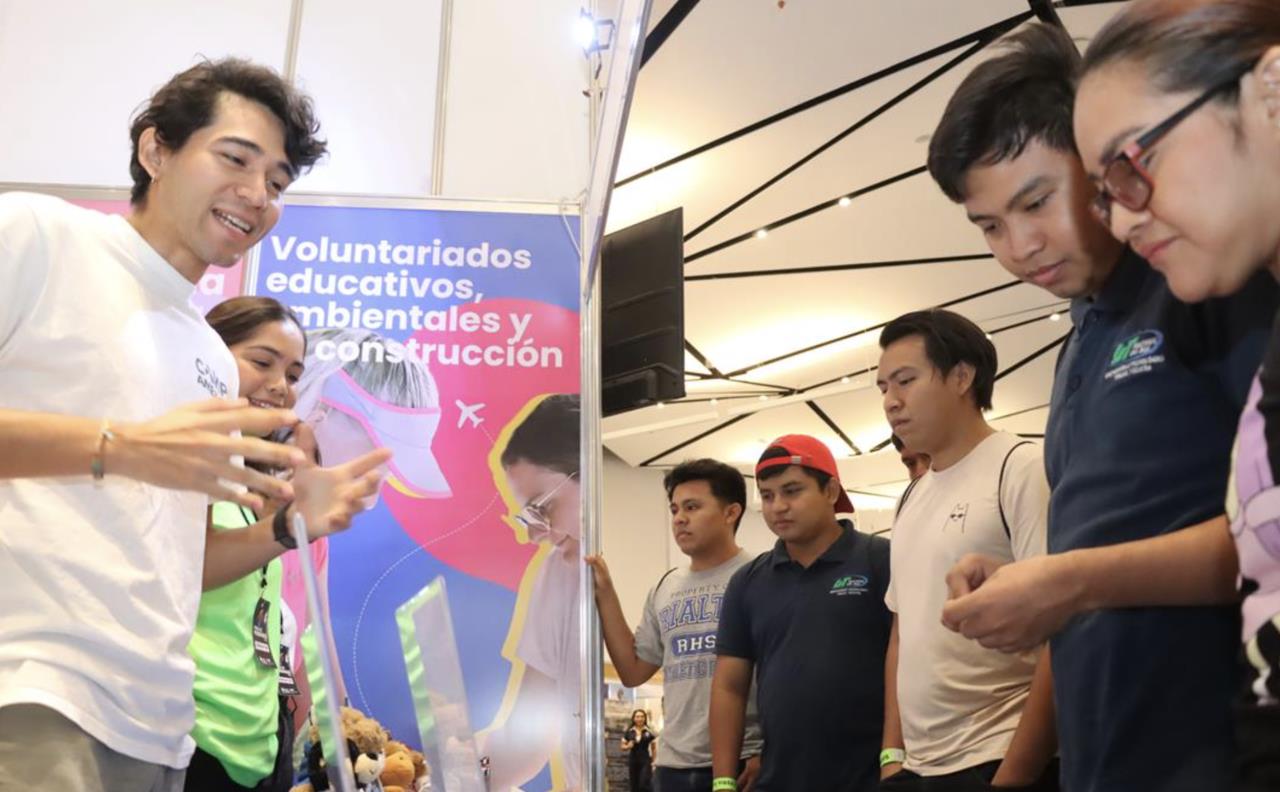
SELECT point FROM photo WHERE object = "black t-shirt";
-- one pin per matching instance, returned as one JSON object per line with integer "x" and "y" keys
{"x": 817, "y": 637}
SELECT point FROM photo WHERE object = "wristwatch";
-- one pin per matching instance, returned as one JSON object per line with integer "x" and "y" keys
{"x": 280, "y": 529}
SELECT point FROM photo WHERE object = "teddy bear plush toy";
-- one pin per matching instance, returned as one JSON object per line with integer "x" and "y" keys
{"x": 366, "y": 749}
{"x": 406, "y": 769}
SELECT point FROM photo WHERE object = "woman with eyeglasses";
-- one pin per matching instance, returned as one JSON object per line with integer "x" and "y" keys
{"x": 540, "y": 465}
{"x": 1177, "y": 119}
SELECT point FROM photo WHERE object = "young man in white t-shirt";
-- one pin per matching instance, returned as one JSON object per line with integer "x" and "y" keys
{"x": 118, "y": 419}
{"x": 968, "y": 717}
{"x": 677, "y": 631}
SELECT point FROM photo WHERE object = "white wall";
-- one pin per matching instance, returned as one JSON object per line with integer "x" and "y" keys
{"x": 72, "y": 72}
{"x": 517, "y": 118}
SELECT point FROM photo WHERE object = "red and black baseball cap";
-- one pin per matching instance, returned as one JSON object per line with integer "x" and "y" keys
{"x": 809, "y": 452}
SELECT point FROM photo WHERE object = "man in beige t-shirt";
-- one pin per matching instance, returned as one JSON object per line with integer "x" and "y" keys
{"x": 969, "y": 718}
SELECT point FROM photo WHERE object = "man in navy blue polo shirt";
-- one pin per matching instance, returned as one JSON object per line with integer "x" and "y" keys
{"x": 1137, "y": 450}
{"x": 809, "y": 619}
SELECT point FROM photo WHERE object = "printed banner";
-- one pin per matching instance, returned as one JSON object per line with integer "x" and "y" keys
{"x": 451, "y": 338}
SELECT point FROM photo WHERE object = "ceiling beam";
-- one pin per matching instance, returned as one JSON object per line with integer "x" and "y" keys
{"x": 665, "y": 27}
{"x": 885, "y": 107}
{"x": 1046, "y": 13}
{"x": 872, "y": 328}
{"x": 1029, "y": 358}
{"x": 863, "y": 265}
{"x": 1007, "y": 24}
{"x": 826, "y": 419}
{"x": 695, "y": 438}
{"x": 803, "y": 213}
{"x": 701, "y": 358}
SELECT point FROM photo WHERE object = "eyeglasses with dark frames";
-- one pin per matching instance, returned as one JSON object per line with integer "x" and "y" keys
{"x": 1125, "y": 179}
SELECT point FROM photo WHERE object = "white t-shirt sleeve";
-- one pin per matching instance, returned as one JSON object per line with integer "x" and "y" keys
{"x": 1025, "y": 497}
{"x": 23, "y": 264}
{"x": 648, "y": 634}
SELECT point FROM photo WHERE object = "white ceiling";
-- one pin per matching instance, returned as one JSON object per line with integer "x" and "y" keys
{"x": 733, "y": 63}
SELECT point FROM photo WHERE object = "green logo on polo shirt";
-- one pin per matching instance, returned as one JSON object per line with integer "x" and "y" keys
{"x": 1139, "y": 354}
{"x": 849, "y": 585}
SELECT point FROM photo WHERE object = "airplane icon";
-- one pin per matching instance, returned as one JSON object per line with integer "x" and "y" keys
{"x": 469, "y": 412}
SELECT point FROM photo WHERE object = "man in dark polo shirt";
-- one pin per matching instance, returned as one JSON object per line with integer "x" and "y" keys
{"x": 808, "y": 618}
{"x": 1137, "y": 449}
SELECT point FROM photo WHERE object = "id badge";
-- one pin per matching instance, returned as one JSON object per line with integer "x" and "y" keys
{"x": 288, "y": 687}
{"x": 261, "y": 643}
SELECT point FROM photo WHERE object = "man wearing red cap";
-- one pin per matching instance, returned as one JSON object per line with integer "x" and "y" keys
{"x": 808, "y": 620}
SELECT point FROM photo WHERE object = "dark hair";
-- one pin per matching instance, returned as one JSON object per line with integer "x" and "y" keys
{"x": 950, "y": 339}
{"x": 238, "y": 318}
{"x": 1188, "y": 45}
{"x": 1022, "y": 95}
{"x": 645, "y": 713}
{"x": 188, "y": 101}
{"x": 897, "y": 442}
{"x": 773, "y": 452}
{"x": 548, "y": 436}
{"x": 726, "y": 483}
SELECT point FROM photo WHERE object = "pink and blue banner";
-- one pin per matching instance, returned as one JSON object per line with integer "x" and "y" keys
{"x": 451, "y": 337}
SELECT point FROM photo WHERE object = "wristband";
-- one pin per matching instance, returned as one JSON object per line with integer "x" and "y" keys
{"x": 97, "y": 462}
{"x": 280, "y": 529}
{"x": 724, "y": 784}
{"x": 892, "y": 756}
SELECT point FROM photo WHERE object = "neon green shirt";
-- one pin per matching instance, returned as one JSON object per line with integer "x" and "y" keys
{"x": 237, "y": 708}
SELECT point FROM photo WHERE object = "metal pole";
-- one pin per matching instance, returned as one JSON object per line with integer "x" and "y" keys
{"x": 592, "y": 720}
{"x": 442, "y": 97}
{"x": 291, "y": 43}
{"x": 628, "y": 40}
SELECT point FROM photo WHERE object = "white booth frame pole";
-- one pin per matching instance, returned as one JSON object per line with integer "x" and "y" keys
{"x": 607, "y": 125}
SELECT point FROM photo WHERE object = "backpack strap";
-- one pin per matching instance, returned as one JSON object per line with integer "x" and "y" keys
{"x": 1000, "y": 487}
{"x": 903, "y": 500}
{"x": 658, "y": 585}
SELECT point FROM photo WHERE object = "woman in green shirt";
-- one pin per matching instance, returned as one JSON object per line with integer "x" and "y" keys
{"x": 236, "y": 645}
{"x": 239, "y": 684}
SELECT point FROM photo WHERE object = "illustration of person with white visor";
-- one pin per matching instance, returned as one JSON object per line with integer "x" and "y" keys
{"x": 361, "y": 391}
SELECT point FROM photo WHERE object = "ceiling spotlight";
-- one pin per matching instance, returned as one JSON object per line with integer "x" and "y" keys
{"x": 844, "y": 201}
{"x": 844, "y": 380}
{"x": 661, "y": 405}
{"x": 1055, "y": 317}
{"x": 988, "y": 335}
{"x": 763, "y": 397}
{"x": 762, "y": 233}
{"x": 714, "y": 402}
